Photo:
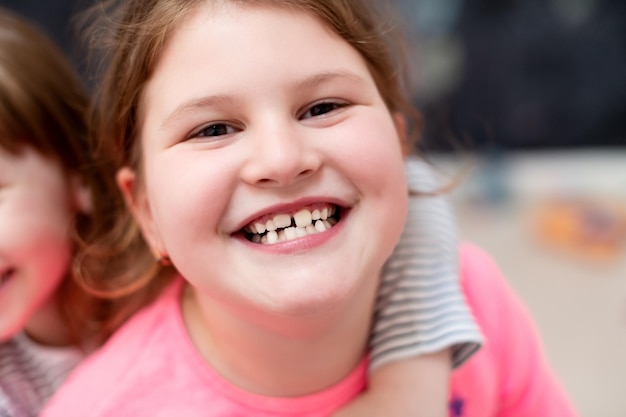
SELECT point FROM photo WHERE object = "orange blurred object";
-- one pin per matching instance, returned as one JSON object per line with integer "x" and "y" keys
{"x": 588, "y": 228}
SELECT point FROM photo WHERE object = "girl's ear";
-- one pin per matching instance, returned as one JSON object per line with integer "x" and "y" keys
{"x": 81, "y": 195}
{"x": 139, "y": 206}
{"x": 401, "y": 128}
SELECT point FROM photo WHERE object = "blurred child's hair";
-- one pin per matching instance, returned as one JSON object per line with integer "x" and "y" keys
{"x": 128, "y": 37}
{"x": 43, "y": 105}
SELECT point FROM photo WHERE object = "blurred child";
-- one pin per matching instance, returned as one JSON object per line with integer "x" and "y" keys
{"x": 45, "y": 318}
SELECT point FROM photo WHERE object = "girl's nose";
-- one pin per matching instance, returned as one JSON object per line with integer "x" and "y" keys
{"x": 279, "y": 157}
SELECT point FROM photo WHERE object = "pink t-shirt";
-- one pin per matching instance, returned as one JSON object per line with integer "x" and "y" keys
{"x": 509, "y": 376}
{"x": 151, "y": 368}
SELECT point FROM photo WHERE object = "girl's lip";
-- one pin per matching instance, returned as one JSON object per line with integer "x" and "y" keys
{"x": 307, "y": 242}
{"x": 289, "y": 208}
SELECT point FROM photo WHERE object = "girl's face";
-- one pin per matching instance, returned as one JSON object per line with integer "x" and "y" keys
{"x": 35, "y": 247}
{"x": 260, "y": 119}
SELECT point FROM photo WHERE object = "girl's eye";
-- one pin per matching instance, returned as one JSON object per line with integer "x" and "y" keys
{"x": 320, "y": 109}
{"x": 214, "y": 130}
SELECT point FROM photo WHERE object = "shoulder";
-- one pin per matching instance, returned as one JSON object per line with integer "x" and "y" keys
{"x": 125, "y": 358}
{"x": 494, "y": 303}
{"x": 512, "y": 355}
{"x": 481, "y": 279}
{"x": 489, "y": 294}
{"x": 476, "y": 265}
{"x": 12, "y": 381}
{"x": 499, "y": 312}
{"x": 30, "y": 373}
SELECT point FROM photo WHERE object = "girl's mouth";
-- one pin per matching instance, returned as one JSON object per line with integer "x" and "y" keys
{"x": 284, "y": 227}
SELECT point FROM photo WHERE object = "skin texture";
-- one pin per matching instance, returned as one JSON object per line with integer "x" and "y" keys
{"x": 223, "y": 146}
{"x": 35, "y": 211}
{"x": 412, "y": 387}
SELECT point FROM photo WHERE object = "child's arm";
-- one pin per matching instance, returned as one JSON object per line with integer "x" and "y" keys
{"x": 413, "y": 387}
{"x": 423, "y": 327}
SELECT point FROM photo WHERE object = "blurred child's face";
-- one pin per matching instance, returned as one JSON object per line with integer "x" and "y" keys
{"x": 34, "y": 241}
{"x": 259, "y": 118}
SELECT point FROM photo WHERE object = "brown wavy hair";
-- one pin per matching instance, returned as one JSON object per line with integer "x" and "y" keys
{"x": 125, "y": 39}
{"x": 44, "y": 106}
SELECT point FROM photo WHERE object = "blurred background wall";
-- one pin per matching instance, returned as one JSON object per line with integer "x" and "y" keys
{"x": 502, "y": 74}
{"x": 530, "y": 95}
{"x": 520, "y": 74}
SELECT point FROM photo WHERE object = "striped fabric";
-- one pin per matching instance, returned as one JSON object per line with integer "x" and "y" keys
{"x": 420, "y": 307}
{"x": 30, "y": 373}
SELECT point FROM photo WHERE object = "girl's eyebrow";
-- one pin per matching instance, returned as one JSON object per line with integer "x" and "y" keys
{"x": 307, "y": 83}
{"x": 326, "y": 77}
{"x": 200, "y": 103}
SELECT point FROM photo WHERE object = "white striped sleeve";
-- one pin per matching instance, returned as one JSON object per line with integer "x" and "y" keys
{"x": 420, "y": 307}
{"x": 30, "y": 373}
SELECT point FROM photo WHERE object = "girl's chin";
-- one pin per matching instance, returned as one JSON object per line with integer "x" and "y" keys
{"x": 311, "y": 296}
{"x": 303, "y": 307}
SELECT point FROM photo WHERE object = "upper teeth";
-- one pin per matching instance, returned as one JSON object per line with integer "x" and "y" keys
{"x": 284, "y": 226}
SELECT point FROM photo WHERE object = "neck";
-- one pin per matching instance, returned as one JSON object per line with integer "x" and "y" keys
{"x": 281, "y": 356}
{"x": 47, "y": 327}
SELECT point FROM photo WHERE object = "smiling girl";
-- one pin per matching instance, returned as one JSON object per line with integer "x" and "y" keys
{"x": 260, "y": 147}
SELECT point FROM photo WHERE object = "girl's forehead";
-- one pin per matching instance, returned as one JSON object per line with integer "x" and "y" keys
{"x": 221, "y": 25}
{"x": 234, "y": 43}
{"x": 206, "y": 12}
